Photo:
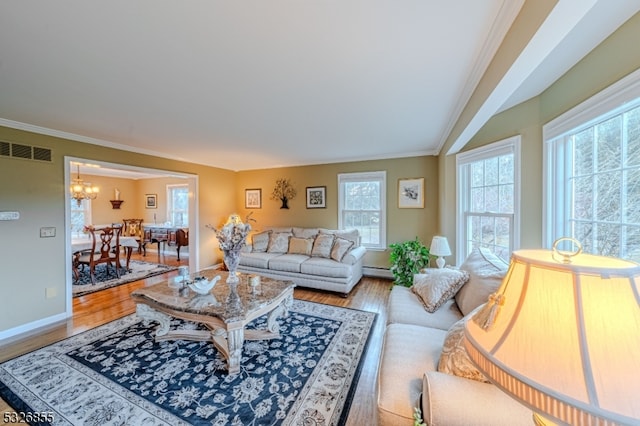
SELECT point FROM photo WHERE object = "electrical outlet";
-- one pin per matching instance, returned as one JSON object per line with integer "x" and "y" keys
{"x": 50, "y": 292}
{"x": 48, "y": 232}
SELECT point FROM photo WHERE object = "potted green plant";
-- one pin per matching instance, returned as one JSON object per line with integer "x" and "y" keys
{"x": 407, "y": 258}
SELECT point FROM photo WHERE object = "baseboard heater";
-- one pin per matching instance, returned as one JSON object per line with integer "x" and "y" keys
{"x": 369, "y": 271}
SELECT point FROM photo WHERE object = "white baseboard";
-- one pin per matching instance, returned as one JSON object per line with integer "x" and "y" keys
{"x": 35, "y": 326}
{"x": 368, "y": 271}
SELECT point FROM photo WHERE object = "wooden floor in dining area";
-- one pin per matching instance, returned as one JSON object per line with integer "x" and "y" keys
{"x": 98, "y": 308}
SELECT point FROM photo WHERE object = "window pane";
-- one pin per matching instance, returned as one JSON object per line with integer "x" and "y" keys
{"x": 367, "y": 224}
{"x": 506, "y": 199}
{"x": 608, "y": 241}
{"x": 632, "y": 195}
{"x": 608, "y": 195}
{"x": 631, "y": 248}
{"x": 506, "y": 169}
{"x": 583, "y": 197}
{"x": 608, "y": 144}
{"x": 583, "y": 232}
{"x": 477, "y": 200}
{"x": 583, "y": 153}
{"x": 633, "y": 137}
{"x": 477, "y": 174}
{"x": 491, "y": 171}
{"x": 491, "y": 199}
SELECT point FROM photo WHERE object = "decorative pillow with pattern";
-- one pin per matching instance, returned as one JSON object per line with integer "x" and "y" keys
{"x": 454, "y": 358}
{"x": 300, "y": 245}
{"x": 340, "y": 248}
{"x": 322, "y": 245}
{"x": 278, "y": 242}
{"x": 436, "y": 286}
{"x": 260, "y": 242}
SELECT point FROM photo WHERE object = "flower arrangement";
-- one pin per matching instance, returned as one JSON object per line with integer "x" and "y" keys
{"x": 233, "y": 234}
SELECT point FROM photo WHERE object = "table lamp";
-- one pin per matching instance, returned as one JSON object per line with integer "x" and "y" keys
{"x": 439, "y": 247}
{"x": 562, "y": 336}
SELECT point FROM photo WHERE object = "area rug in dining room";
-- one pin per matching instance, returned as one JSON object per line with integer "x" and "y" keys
{"x": 139, "y": 270}
{"x": 117, "y": 374}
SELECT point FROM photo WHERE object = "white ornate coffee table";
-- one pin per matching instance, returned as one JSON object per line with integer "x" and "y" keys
{"x": 224, "y": 311}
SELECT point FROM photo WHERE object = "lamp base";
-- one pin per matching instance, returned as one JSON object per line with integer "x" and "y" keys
{"x": 440, "y": 262}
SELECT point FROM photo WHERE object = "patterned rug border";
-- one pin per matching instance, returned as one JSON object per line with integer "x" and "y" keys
{"x": 100, "y": 332}
{"x": 84, "y": 289}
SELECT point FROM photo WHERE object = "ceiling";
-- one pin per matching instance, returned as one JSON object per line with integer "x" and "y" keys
{"x": 262, "y": 84}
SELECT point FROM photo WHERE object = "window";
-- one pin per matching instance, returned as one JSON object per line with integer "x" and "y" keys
{"x": 362, "y": 205}
{"x": 488, "y": 198}
{"x": 178, "y": 205}
{"x": 592, "y": 170}
{"x": 80, "y": 217}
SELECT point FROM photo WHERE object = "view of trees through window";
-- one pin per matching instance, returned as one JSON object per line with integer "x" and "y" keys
{"x": 80, "y": 216}
{"x": 490, "y": 215}
{"x": 178, "y": 205}
{"x": 605, "y": 186}
{"x": 362, "y": 206}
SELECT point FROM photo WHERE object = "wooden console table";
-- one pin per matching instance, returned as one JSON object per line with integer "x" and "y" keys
{"x": 164, "y": 234}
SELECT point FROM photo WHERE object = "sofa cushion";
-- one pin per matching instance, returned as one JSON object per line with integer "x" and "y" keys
{"x": 436, "y": 286}
{"x": 300, "y": 245}
{"x": 305, "y": 232}
{"x": 287, "y": 262}
{"x": 348, "y": 234}
{"x": 486, "y": 271}
{"x": 454, "y": 358}
{"x": 260, "y": 241}
{"x": 340, "y": 248}
{"x": 407, "y": 352}
{"x": 406, "y": 308}
{"x": 278, "y": 242}
{"x": 322, "y": 245}
{"x": 326, "y": 267}
{"x": 257, "y": 260}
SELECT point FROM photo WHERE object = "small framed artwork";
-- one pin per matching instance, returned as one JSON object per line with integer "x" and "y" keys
{"x": 151, "y": 201}
{"x": 411, "y": 193}
{"x": 316, "y": 197}
{"x": 253, "y": 198}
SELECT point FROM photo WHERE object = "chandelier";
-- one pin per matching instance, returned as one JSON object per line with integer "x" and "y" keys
{"x": 81, "y": 190}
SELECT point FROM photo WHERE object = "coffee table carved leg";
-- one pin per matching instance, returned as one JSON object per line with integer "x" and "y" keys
{"x": 229, "y": 343}
{"x": 282, "y": 310}
{"x": 147, "y": 313}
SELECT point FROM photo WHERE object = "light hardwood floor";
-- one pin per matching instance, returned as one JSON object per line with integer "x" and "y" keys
{"x": 98, "y": 308}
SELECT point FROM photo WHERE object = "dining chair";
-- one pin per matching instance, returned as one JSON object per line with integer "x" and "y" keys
{"x": 105, "y": 248}
{"x": 133, "y": 228}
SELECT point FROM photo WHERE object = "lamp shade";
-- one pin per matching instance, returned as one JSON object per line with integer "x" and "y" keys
{"x": 439, "y": 246}
{"x": 564, "y": 338}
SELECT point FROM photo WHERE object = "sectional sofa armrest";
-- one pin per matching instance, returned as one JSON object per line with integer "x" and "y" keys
{"x": 354, "y": 255}
{"x": 452, "y": 400}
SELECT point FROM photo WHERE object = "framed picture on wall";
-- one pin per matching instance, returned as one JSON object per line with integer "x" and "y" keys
{"x": 151, "y": 201}
{"x": 316, "y": 197}
{"x": 253, "y": 198}
{"x": 411, "y": 193}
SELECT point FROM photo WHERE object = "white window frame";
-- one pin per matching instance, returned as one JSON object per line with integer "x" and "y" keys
{"x": 380, "y": 176}
{"x": 614, "y": 100}
{"x": 170, "y": 208}
{"x": 503, "y": 147}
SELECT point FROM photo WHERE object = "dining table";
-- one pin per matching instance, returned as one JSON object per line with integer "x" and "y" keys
{"x": 129, "y": 243}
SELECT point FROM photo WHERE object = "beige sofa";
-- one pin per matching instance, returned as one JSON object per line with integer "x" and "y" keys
{"x": 310, "y": 257}
{"x": 411, "y": 373}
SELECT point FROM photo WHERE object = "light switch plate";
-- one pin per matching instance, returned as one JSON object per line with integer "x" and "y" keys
{"x": 9, "y": 215}
{"x": 47, "y": 232}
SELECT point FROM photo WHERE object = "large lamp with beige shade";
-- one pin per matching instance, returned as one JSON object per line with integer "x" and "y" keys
{"x": 562, "y": 336}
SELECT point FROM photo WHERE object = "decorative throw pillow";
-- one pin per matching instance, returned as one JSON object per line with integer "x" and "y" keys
{"x": 436, "y": 286}
{"x": 351, "y": 235}
{"x": 300, "y": 245}
{"x": 260, "y": 241}
{"x": 486, "y": 271}
{"x": 454, "y": 358}
{"x": 278, "y": 242}
{"x": 322, "y": 245}
{"x": 340, "y": 248}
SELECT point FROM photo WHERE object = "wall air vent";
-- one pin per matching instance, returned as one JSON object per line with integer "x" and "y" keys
{"x": 26, "y": 152}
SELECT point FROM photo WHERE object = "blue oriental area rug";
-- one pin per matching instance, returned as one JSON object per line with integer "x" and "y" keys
{"x": 117, "y": 374}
